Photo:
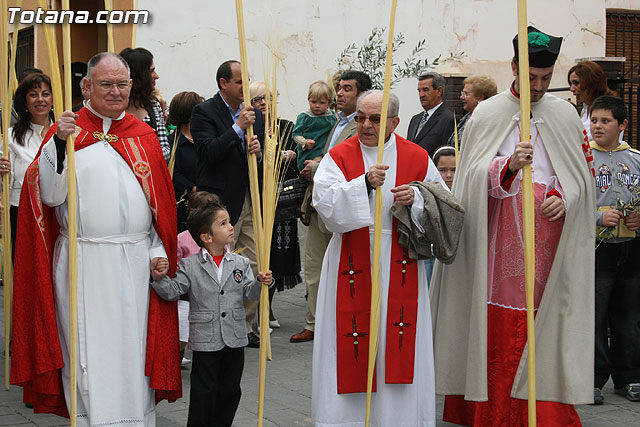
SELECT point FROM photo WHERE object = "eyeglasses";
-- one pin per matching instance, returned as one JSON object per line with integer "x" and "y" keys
{"x": 374, "y": 118}
{"x": 465, "y": 94}
{"x": 258, "y": 99}
{"x": 107, "y": 85}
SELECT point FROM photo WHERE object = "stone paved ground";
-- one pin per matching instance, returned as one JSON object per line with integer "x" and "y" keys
{"x": 288, "y": 393}
{"x": 288, "y": 400}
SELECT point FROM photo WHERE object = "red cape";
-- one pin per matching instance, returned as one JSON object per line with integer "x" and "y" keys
{"x": 36, "y": 360}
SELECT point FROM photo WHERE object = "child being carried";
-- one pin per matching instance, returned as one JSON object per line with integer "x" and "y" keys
{"x": 313, "y": 127}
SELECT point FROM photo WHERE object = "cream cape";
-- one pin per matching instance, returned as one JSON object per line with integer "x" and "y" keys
{"x": 564, "y": 321}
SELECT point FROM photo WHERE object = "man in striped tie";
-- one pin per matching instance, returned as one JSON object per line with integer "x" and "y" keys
{"x": 431, "y": 128}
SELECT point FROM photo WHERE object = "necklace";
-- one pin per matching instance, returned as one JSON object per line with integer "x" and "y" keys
{"x": 188, "y": 138}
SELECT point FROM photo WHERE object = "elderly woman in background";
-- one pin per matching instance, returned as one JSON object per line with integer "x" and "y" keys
{"x": 477, "y": 87}
{"x": 587, "y": 81}
{"x": 285, "y": 248}
{"x": 185, "y": 166}
{"x": 33, "y": 101}
{"x": 142, "y": 102}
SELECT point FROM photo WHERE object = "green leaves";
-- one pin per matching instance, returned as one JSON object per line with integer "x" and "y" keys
{"x": 371, "y": 58}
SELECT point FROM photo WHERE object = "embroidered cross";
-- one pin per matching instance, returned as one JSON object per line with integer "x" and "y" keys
{"x": 142, "y": 169}
{"x": 401, "y": 325}
{"x": 404, "y": 261}
{"x": 354, "y": 334}
{"x": 352, "y": 275}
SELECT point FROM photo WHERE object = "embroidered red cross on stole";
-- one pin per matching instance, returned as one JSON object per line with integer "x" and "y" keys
{"x": 353, "y": 301}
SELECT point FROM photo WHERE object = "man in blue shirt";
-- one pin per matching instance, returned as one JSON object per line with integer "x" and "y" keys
{"x": 218, "y": 127}
{"x": 353, "y": 83}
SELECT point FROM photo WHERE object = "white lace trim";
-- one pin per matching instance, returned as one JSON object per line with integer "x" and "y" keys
{"x": 124, "y": 421}
{"x": 509, "y": 307}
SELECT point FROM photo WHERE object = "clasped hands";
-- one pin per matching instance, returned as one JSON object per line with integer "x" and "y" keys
{"x": 375, "y": 177}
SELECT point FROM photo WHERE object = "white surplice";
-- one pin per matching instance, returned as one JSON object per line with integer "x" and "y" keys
{"x": 346, "y": 206}
{"x": 116, "y": 241}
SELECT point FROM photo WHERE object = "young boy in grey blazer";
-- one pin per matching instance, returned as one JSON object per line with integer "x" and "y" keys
{"x": 216, "y": 281}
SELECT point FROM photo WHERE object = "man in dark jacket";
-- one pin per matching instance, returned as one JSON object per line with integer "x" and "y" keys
{"x": 218, "y": 127}
{"x": 431, "y": 128}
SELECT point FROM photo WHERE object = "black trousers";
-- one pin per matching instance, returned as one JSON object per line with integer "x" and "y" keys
{"x": 215, "y": 387}
{"x": 617, "y": 354}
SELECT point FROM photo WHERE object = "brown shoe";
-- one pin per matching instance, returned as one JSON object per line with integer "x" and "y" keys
{"x": 304, "y": 336}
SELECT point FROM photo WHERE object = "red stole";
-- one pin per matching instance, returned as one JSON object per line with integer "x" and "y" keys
{"x": 37, "y": 356}
{"x": 353, "y": 305}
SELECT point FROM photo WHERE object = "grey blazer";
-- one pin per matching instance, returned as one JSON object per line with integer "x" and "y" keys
{"x": 216, "y": 314}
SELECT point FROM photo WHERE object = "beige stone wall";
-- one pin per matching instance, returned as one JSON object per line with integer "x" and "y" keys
{"x": 190, "y": 42}
{"x": 190, "y": 39}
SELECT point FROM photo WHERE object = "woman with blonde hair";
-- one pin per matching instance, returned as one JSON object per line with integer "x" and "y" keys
{"x": 477, "y": 88}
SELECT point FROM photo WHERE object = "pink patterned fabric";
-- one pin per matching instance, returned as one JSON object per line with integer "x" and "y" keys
{"x": 507, "y": 323}
{"x": 506, "y": 241}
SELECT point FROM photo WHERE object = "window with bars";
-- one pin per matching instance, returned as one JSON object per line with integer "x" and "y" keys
{"x": 623, "y": 40}
{"x": 25, "y": 50}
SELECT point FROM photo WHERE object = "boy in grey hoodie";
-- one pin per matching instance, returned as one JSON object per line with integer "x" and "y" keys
{"x": 617, "y": 268}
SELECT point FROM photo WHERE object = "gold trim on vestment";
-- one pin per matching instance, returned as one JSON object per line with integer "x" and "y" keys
{"x": 109, "y": 137}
